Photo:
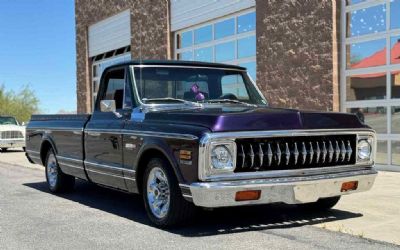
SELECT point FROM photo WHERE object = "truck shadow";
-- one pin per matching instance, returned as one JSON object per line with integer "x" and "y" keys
{"x": 215, "y": 222}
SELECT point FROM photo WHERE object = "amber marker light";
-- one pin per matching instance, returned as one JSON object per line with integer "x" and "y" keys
{"x": 248, "y": 195}
{"x": 348, "y": 186}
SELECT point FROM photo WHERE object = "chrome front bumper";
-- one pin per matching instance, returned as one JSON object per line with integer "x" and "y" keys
{"x": 12, "y": 143}
{"x": 293, "y": 190}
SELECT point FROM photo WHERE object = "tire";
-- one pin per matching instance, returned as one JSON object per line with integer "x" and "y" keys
{"x": 174, "y": 209}
{"x": 322, "y": 204}
{"x": 57, "y": 181}
{"x": 24, "y": 149}
{"x": 4, "y": 149}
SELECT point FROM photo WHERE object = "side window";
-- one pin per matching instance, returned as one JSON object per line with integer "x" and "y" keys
{"x": 115, "y": 89}
{"x": 234, "y": 84}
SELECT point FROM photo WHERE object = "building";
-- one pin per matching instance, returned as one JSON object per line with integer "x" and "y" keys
{"x": 338, "y": 55}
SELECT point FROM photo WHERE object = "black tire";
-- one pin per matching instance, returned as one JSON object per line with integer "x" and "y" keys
{"x": 4, "y": 149}
{"x": 322, "y": 204}
{"x": 62, "y": 182}
{"x": 180, "y": 210}
{"x": 24, "y": 149}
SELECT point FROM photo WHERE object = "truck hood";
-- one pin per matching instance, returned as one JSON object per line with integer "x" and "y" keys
{"x": 239, "y": 118}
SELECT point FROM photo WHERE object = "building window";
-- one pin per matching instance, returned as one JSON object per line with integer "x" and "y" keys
{"x": 102, "y": 61}
{"x": 370, "y": 71}
{"x": 231, "y": 40}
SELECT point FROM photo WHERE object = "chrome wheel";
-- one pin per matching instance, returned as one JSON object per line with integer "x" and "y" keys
{"x": 158, "y": 192}
{"x": 52, "y": 170}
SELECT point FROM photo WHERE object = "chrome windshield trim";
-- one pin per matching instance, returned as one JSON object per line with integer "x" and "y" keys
{"x": 144, "y": 133}
{"x": 187, "y": 66}
{"x": 208, "y": 138}
{"x": 133, "y": 79}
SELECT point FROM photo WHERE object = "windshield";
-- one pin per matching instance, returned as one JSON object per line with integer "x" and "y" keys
{"x": 200, "y": 85}
{"x": 8, "y": 121}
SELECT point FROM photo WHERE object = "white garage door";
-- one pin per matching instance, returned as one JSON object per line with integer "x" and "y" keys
{"x": 110, "y": 34}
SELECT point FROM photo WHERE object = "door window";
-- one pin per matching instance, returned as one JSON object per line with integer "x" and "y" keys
{"x": 117, "y": 89}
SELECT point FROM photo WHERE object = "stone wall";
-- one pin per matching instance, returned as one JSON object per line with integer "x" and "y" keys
{"x": 153, "y": 36}
{"x": 297, "y": 53}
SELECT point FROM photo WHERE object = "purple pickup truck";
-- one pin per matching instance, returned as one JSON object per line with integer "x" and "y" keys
{"x": 189, "y": 134}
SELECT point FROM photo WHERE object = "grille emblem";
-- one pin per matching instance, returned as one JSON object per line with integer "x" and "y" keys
{"x": 318, "y": 151}
{"x": 337, "y": 150}
{"x": 287, "y": 153}
{"x": 349, "y": 150}
{"x": 278, "y": 153}
{"x": 303, "y": 152}
{"x": 342, "y": 151}
{"x": 242, "y": 155}
{"x": 260, "y": 154}
{"x": 296, "y": 153}
{"x": 324, "y": 152}
{"x": 269, "y": 153}
{"x": 311, "y": 152}
{"x": 331, "y": 151}
{"x": 251, "y": 153}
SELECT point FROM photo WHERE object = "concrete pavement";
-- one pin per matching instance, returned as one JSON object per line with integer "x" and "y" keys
{"x": 373, "y": 214}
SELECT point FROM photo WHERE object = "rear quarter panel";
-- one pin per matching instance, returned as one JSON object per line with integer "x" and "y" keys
{"x": 64, "y": 133}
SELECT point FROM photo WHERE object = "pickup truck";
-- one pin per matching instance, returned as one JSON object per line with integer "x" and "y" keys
{"x": 186, "y": 135}
{"x": 12, "y": 134}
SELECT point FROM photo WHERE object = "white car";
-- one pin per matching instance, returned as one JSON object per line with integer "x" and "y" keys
{"x": 12, "y": 134}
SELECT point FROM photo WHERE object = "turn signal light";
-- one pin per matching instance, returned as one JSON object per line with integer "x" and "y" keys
{"x": 348, "y": 186}
{"x": 248, "y": 195}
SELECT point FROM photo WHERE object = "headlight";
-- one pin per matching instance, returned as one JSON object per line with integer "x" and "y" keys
{"x": 364, "y": 150}
{"x": 221, "y": 157}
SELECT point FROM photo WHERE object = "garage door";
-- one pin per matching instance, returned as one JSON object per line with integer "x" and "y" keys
{"x": 110, "y": 34}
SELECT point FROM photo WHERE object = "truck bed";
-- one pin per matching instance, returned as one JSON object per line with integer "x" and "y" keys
{"x": 65, "y": 133}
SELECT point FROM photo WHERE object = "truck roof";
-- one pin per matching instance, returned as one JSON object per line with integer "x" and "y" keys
{"x": 178, "y": 63}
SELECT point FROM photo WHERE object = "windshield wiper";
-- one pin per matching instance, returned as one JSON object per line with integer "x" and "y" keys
{"x": 169, "y": 100}
{"x": 229, "y": 101}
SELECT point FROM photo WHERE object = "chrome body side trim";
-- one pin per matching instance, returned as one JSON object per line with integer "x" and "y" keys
{"x": 69, "y": 129}
{"x": 290, "y": 190}
{"x": 94, "y": 164}
{"x": 59, "y": 157}
{"x": 112, "y": 175}
{"x": 32, "y": 152}
{"x": 214, "y": 138}
{"x": 142, "y": 133}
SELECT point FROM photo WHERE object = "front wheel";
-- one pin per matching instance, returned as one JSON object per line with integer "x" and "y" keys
{"x": 3, "y": 149}
{"x": 164, "y": 203}
{"x": 57, "y": 181}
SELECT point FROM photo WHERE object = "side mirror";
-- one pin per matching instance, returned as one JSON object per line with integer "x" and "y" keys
{"x": 107, "y": 106}
{"x": 23, "y": 124}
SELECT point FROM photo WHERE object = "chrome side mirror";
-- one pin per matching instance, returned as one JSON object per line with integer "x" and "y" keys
{"x": 107, "y": 106}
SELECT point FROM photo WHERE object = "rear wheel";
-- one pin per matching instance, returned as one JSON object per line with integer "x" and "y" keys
{"x": 322, "y": 204}
{"x": 3, "y": 149}
{"x": 57, "y": 181}
{"x": 164, "y": 203}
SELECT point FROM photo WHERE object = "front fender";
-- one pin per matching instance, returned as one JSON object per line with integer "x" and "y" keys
{"x": 163, "y": 147}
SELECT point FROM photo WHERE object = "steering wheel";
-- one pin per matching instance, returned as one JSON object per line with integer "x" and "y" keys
{"x": 228, "y": 96}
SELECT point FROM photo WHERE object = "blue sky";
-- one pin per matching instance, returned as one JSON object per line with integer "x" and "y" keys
{"x": 37, "y": 47}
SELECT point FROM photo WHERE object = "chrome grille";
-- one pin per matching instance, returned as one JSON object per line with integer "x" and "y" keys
{"x": 11, "y": 135}
{"x": 284, "y": 153}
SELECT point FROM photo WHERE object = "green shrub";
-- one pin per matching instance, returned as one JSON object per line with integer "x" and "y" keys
{"x": 21, "y": 105}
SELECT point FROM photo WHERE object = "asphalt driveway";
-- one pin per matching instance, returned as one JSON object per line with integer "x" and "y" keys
{"x": 96, "y": 217}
